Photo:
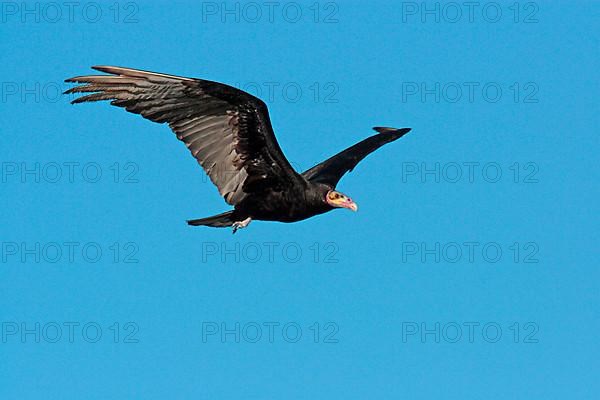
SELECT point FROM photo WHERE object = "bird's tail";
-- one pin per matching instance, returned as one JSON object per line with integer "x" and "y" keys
{"x": 216, "y": 221}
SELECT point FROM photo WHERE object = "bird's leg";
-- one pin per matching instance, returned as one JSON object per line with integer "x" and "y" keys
{"x": 241, "y": 224}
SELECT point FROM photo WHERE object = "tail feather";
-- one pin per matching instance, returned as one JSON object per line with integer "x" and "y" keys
{"x": 216, "y": 221}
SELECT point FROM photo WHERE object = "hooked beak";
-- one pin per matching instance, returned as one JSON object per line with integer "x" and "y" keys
{"x": 351, "y": 206}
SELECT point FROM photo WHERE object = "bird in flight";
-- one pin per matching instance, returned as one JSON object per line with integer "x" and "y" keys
{"x": 229, "y": 133}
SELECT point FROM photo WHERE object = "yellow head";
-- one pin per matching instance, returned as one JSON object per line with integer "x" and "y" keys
{"x": 337, "y": 199}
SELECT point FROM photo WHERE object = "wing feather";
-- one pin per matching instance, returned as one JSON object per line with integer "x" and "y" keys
{"x": 227, "y": 130}
{"x": 331, "y": 170}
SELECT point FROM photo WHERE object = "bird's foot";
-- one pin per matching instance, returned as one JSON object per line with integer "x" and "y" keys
{"x": 241, "y": 224}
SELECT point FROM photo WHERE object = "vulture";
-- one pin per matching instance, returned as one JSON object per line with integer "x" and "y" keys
{"x": 229, "y": 133}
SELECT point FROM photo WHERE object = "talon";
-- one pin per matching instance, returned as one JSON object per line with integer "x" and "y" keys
{"x": 240, "y": 224}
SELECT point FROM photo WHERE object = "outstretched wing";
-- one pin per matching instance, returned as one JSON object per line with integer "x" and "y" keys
{"x": 331, "y": 170}
{"x": 227, "y": 130}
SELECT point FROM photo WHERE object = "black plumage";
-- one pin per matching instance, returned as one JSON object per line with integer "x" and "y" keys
{"x": 229, "y": 133}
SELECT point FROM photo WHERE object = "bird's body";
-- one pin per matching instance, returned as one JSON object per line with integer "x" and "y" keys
{"x": 292, "y": 205}
{"x": 229, "y": 133}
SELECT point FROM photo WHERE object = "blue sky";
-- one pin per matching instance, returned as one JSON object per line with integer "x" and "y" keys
{"x": 469, "y": 271}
